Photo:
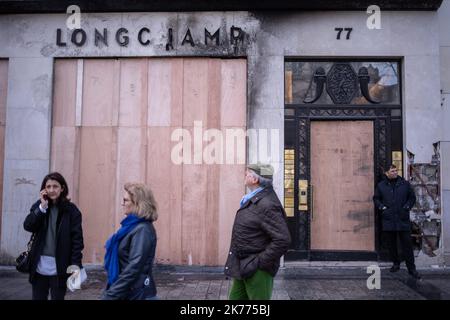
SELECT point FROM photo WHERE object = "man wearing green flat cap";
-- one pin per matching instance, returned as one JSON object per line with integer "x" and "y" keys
{"x": 259, "y": 238}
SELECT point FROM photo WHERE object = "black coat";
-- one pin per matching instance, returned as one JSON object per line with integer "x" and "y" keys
{"x": 136, "y": 254}
{"x": 259, "y": 238}
{"x": 398, "y": 197}
{"x": 69, "y": 238}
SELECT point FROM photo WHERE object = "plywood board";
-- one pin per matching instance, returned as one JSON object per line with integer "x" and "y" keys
{"x": 65, "y": 157}
{"x": 97, "y": 189}
{"x": 214, "y": 94}
{"x": 100, "y": 92}
{"x": 130, "y": 108}
{"x": 64, "y": 96}
{"x": 159, "y": 92}
{"x": 131, "y": 166}
{"x": 231, "y": 191}
{"x": 195, "y": 91}
{"x": 165, "y": 179}
{"x": 234, "y": 93}
{"x": 133, "y": 92}
{"x": 343, "y": 213}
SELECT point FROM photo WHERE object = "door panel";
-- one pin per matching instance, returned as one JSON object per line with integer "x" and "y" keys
{"x": 342, "y": 176}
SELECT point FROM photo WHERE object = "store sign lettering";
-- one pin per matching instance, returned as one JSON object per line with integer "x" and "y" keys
{"x": 78, "y": 37}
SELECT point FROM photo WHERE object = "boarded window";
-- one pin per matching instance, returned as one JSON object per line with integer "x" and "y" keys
{"x": 112, "y": 123}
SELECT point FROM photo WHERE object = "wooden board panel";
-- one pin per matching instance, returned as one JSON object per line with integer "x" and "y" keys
{"x": 165, "y": 103}
{"x": 212, "y": 165}
{"x": 214, "y": 94}
{"x": 195, "y": 91}
{"x": 343, "y": 213}
{"x": 133, "y": 92}
{"x": 195, "y": 104}
{"x": 100, "y": 92}
{"x": 165, "y": 180}
{"x": 233, "y": 112}
{"x": 211, "y": 214}
{"x": 97, "y": 189}
{"x": 195, "y": 176}
{"x": 194, "y": 213}
{"x": 132, "y": 132}
{"x": 231, "y": 191}
{"x": 234, "y": 93}
{"x": 131, "y": 166}
{"x": 165, "y": 93}
{"x": 64, "y": 97}
{"x": 159, "y": 92}
{"x": 176, "y": 97}
{"x": 65, "y": 157}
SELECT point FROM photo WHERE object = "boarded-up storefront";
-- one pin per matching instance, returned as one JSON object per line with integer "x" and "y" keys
{"x": 329, "y": 93}
{"x": 113, "y": 121}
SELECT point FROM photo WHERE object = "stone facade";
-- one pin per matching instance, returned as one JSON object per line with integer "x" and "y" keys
{"x": 30, "y": 45}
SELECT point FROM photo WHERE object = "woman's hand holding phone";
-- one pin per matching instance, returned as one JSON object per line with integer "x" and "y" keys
{"x": 44, "y": 199}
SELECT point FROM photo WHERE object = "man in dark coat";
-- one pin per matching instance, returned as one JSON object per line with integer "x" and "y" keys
{"x": 394, "y": 197}
{"x": 259, "y": 238}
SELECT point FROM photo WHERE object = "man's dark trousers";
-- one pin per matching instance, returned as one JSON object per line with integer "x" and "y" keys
{"x": 406, "y": 246}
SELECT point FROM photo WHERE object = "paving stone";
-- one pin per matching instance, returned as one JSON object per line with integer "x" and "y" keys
{"x": 298, "y": 283}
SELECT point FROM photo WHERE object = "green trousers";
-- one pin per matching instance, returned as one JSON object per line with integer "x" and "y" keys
{"x": 257, "y": 287}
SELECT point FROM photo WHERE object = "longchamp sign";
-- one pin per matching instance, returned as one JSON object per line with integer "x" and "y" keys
{"x": 78, "y": 37}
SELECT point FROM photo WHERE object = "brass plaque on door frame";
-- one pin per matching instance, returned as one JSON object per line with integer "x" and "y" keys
{"x": 289, "y": 176}
{"x": 303, "y": 195}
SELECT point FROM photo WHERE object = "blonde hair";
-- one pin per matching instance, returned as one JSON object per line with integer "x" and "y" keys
{"x": 143, "y": 200}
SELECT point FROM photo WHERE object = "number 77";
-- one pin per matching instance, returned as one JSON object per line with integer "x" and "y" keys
{"x": 339, "y": 31}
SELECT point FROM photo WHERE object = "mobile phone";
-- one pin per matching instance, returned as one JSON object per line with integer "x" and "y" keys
{"x": 45, "y": 197}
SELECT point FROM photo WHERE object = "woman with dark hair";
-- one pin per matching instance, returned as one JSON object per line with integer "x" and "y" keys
{"x": 58, "y": 242}
{"x": 131, "y": 250}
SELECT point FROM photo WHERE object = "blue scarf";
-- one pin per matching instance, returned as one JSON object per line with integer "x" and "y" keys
{"x": 250, "y": 195}
{"x": 112, "y": 246}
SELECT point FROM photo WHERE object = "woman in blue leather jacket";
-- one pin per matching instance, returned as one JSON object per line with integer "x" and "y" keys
{"x": 131, "y": 250}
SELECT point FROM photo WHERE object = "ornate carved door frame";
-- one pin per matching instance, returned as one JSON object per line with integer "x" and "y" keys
{"x": 298, "y": 117}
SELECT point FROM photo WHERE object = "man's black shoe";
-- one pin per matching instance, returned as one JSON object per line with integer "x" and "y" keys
{"x": 414, "y": 274}
{"x": 395, "y": 268}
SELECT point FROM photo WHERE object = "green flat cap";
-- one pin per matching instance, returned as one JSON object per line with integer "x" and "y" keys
{"x": 262, "y": 169}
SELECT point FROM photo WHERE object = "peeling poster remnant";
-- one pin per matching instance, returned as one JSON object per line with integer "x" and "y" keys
{"x": 426, "y": 213}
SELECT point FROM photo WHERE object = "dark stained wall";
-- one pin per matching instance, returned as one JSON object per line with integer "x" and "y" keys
{"x": 59, "y": 6}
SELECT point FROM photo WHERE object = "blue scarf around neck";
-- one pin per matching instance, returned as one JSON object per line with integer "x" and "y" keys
{"x": 112, "y": 246}
{"x": 250, "y": 195}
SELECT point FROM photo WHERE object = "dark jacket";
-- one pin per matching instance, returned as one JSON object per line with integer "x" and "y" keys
{"x": 259, "y": 238}
{"x": 398, "y": 197}
{"x": 69, "y": 238}
{"x": 136, "y": 255}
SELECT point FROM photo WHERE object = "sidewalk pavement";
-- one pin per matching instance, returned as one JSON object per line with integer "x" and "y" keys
{"x": 295, "y": 281}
